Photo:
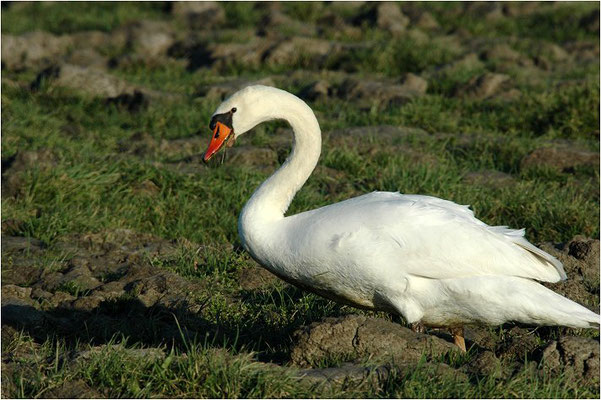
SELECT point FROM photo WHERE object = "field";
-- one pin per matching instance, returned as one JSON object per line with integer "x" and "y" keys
{"x": 122, "y": 271}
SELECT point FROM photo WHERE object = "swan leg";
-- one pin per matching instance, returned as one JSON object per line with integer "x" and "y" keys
{"x": 458, "y": 339}
{"x": 418, "y": 327}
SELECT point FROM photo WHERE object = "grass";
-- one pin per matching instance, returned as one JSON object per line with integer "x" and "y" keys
{"x": 102, "y": 16}
{"x": 92, "y": 178}
{"x": 558, "y": 23}
{"x": 202, "y": 370}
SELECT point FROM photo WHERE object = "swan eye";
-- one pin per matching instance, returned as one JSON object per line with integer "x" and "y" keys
{"x": 234, "y": 110}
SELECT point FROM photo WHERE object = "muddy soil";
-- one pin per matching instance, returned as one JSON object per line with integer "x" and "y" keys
{"x": 107, "y": 286}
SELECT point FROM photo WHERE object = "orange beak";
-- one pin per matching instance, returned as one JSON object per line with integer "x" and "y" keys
{"x": 220, "y": 135}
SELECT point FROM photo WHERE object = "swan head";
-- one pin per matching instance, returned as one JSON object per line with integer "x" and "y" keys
{"x": 240, "y": 113}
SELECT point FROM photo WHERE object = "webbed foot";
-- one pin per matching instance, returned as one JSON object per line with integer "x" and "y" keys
{"x": 458, "y": 338}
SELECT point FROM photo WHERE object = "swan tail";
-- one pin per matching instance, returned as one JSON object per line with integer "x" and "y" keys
{"x": 495, "y": 300}
{"x": 582, "y": 319}
{"x": 549, "y": 308}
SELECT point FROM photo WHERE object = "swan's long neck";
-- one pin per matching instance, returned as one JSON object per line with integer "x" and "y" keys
{"x": 271, "y": 200}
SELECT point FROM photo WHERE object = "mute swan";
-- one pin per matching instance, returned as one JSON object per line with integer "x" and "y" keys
{"x": 427, "y": 259}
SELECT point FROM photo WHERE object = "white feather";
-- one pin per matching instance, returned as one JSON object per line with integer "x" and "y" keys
{"x": 425, "y": 258}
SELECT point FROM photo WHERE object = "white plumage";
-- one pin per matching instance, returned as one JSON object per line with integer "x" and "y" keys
{"x": 428, "y": 259}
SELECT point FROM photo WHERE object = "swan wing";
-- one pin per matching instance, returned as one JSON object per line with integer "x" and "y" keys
{"x": 424, "y": 236}
{"x": 514, "y": 235}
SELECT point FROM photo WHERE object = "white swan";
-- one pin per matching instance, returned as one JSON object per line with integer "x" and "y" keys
{"x": 427, "y": 259}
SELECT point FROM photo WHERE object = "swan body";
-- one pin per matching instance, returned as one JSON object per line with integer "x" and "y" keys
{"x": 427, "y": 259}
